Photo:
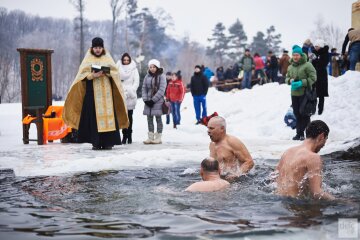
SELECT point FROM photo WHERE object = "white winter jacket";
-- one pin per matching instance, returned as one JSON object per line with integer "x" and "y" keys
{"x": 129, "y": 76}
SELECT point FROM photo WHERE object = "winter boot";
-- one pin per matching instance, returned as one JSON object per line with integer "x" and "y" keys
{"x": 129, "y": 137}
{"x": 157, "y": 139}
{"x": 96, "y": 147}
{"x": 150, "y": 138}
{"x": 125, "y": 136}
{"x": 299, "y": 137}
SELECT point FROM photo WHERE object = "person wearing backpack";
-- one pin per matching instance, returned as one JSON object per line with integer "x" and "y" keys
{"x": 301, "y": 74}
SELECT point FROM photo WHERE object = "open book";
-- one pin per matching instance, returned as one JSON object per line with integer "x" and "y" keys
{"x": 97, "y": 68}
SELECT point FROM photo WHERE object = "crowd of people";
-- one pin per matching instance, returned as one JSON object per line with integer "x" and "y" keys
{"x": 101, "y": 102}
{"x": 256, "y": 69}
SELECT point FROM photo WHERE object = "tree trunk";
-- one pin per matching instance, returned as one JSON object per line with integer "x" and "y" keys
{"x": 82, "y": 44}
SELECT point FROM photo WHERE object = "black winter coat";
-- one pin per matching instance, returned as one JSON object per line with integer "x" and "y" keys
{"x": 273, "y": 63}
{"x": 320, "y": 64}
{"x": 199, "y": 84}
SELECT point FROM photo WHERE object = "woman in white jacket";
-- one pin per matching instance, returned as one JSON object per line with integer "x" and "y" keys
{"x": 129, "y": 76}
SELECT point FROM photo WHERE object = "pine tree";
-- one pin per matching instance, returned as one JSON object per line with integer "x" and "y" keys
{"x": 273, "y": 40}
{"x": 259, "y": 44}
{"x": 237, "y": 39}
{"x": 221, "y": 42}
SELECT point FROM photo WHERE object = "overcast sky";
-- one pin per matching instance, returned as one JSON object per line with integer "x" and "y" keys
{"x": 196, "y": 18}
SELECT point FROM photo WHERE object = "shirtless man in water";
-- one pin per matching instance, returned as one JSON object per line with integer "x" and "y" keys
{"x": 233, "y": 157}
{"x": 300, "y": 167}
{"x": 210, "y": 174}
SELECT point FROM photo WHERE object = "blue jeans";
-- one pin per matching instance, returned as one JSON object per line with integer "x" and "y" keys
{"x": 354, "y": 55}
{"x": 175, "y": 111}
{"x": 198, "y": 102}
{"x": 246, "y": 82}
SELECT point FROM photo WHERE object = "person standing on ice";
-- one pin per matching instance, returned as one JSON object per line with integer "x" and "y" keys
{"x": 232, "y": 154}
{"x": 95, "y": 103}
{"x": 129, "y": 76}
{"x": 320, "y": 63}
{"x": 153, "y": 92}
{"x": 199, "y": 86}
{"x": 299, "y": 169}
{"x": 301, "y": 74}
{"x": 210, "y": 175}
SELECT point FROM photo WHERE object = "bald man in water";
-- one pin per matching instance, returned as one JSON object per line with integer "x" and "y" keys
{"x": 300, "y": 167}
{"x": 210, "y": 174}
{"x": 234, "y": 158}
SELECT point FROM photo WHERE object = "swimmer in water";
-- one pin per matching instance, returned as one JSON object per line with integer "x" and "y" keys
{"x": 234, "y": 158}
{"x": 300, "y": 167}
{"x": 210, "y": 174}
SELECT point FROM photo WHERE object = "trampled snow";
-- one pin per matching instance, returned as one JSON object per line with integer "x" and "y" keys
{"x": 255, "y": 116}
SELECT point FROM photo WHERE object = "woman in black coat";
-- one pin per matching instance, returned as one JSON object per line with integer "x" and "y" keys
{"x": 320, "y": 62}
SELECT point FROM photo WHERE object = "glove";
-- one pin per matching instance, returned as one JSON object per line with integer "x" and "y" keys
{"x": 296, "y": 85}
{"x": 149, "y": 103}
{"x": 312, "y": 56}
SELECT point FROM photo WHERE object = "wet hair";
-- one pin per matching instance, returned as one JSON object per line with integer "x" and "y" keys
{"x": 125, "y": 55}
{"x": 210, "y": 165}
{"x": 315, "y": 128}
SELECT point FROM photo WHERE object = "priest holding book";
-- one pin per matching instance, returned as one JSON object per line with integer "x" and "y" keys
{"x": 95, "y": 104}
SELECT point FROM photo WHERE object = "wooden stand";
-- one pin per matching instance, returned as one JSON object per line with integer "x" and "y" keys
{"x": 36, "y": 92}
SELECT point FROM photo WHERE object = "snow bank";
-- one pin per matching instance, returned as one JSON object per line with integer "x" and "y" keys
{"x": 255, "y": 116}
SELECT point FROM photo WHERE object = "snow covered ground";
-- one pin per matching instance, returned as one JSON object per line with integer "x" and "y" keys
{"x": 255, "y": 116}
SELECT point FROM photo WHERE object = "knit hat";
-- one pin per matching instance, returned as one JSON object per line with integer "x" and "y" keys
{"x": 154, "y": 62}
{"x": 97, "y": 42}
{"x": 297, "y": 49}
{"x": 198, "y": 66}
{"x": 319, "y": 43}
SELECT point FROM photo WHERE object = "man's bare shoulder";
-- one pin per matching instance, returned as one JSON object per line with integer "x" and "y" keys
{"x": 313, "y": 160}
{"x": 194, "y": 187}
{"x": 301, "y": 155}
{"x": 234, "y": 141}
{"x": 208, "y": 186}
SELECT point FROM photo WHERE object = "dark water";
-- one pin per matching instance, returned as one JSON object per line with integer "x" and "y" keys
{"x": 150, "y": 203}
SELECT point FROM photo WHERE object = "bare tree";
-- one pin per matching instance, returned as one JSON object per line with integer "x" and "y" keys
{"x": 80, "y": 7}
{"x": 190, "y": 55}
{"x": 116, "y": 8}
{"x": 331, "y": 34}
{"x": 5, "y": 68}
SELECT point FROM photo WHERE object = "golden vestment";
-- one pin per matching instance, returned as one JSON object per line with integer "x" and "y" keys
{"x": 108, "y": 95}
